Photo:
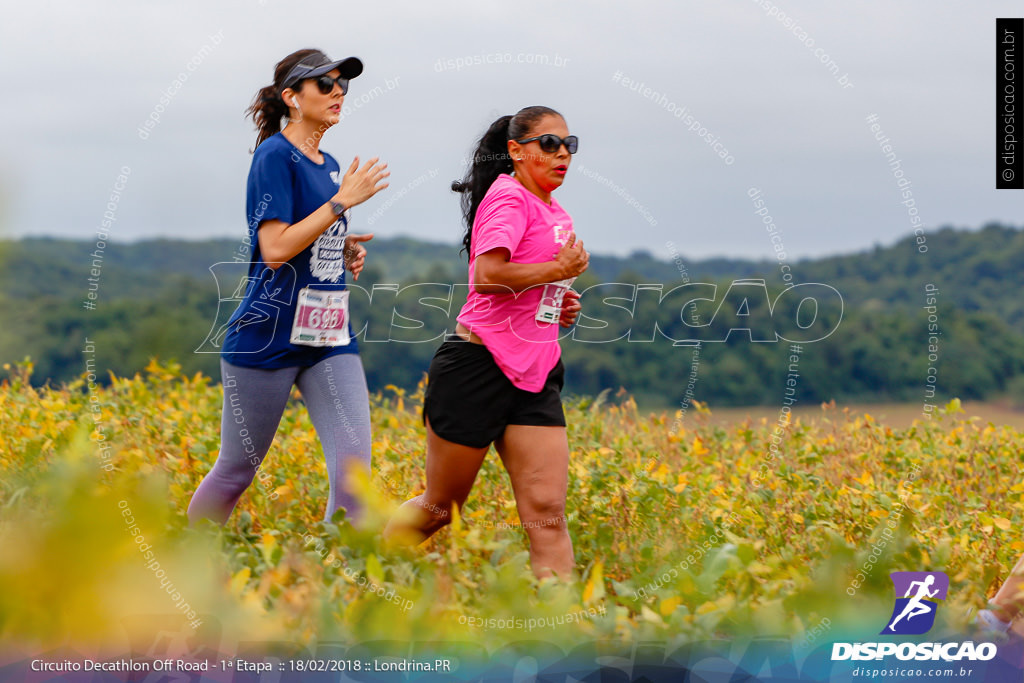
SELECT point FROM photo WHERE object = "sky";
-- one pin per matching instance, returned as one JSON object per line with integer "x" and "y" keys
{"x": 785, "y": 88}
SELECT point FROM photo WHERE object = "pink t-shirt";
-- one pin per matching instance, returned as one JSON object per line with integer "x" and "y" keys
{"x": 512, "y": 217}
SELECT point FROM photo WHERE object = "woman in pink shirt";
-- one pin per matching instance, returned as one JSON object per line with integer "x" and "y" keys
{"x": 498, "y": 379}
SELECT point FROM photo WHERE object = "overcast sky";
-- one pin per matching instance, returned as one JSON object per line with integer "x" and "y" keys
{"x": 82, "y": 77}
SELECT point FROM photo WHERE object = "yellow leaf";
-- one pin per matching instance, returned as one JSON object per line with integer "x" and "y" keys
{"x": 1002, "y": 523}
{"x": 239, "y": 580}
{"x": 580, "y": 470}
{"x": 373, "y": 569}
{"x": 456, "y": 533}
{"x": 267, "y": 546}
{"x": 594, "y": 590}
{"x": 669, "y": 605}
{"x": 698, "y": 446}
{"x": 706, "y": 608}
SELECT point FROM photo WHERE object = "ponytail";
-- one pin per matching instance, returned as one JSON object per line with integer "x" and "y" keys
{"x": 267, "y": 110}
{"x": 490, "y": 160}
{"x": 268, "y": 107}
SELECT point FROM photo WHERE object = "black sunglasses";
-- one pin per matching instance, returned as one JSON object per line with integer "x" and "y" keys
{"x": 550, "y": 143}
{"x": 326, "y": 84}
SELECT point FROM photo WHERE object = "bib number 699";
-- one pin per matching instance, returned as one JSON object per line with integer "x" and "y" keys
{"x": 321, "y": 318}
{"x": 324, "y": 319}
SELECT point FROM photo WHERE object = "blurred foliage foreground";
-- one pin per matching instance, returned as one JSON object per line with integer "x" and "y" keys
{"x": 683, "y": 531}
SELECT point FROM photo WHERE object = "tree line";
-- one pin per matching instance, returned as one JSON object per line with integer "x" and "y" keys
{"x": 721, "y": 328}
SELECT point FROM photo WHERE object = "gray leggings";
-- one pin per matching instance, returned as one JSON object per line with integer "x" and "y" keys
{"x": 335, "y": 394}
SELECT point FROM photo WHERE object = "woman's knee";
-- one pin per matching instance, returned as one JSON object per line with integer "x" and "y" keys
{"x": 234, "y": 475}
{"x": 543, "y": 514}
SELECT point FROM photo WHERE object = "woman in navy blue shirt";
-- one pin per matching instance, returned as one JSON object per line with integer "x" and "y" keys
{"x": 292, "y": 326}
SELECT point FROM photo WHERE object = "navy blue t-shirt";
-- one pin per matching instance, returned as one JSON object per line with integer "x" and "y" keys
{"x": 286, "y": 185}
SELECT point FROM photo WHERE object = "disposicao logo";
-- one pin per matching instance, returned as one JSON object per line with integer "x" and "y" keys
{"x": 917, "y": 594}
{"x": 914, "y": 613}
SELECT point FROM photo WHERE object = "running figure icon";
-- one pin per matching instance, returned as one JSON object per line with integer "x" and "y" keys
{"x": 914, "y": 612}
{"x": 916, "y": 607}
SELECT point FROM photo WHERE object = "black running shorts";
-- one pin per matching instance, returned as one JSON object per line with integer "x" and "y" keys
{"x": 470, "y": 401}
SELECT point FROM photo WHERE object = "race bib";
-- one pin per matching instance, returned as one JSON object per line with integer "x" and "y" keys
{"x": 321, "y": 318}
{"x": 550, "y": 308}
